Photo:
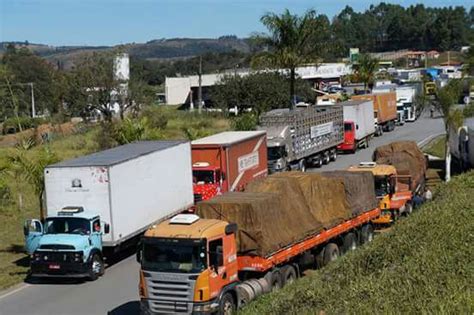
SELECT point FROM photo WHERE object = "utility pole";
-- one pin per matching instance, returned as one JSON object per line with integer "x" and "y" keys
{"x": 33, "y": 109}
{"x": 200, "y": 85}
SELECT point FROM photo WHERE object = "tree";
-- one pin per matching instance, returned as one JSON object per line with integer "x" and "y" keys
{"x": 31, "y": 167}
{"x": 447, "y": 98}
{"x": 258, "y": 91}
{"x": 366, "y": 70}
{"x": 293, "y": 41}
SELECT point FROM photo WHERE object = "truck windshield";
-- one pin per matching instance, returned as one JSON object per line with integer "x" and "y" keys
{"x": 172, "y": 255}
{"x": 67, "y": 226}
{"x": 203, "y": 177}
{"x": 347, "y": 127}
{"x": 382, "y": 186}
{"x": 275, "y": 153}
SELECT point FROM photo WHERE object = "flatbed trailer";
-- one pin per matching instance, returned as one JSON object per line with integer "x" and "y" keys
{"x": 262, "y": 264}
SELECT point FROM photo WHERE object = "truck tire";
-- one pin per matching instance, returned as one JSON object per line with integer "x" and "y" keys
{"x": 289, "y": 274}
{"x": 408, "y": 209}
{"x": 366, "y": 234}
{"x": 349, "y": 243}
{"x": 302, "y": 165}
{"x": 331, "y": 253}
{"x": 333, "y": 154}
{"x": 96, "y": 268}
{"x": 326, "y": 157}
{"x": 318, "y": 161}
{"x": 274, "y": 279}
{"x": 227, "y": 304}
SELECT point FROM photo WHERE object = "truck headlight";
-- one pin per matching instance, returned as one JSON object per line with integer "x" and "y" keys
{"x": 202, "y": 308}
{"x": 78, "y": 256}
{"x": 36, "y": 256}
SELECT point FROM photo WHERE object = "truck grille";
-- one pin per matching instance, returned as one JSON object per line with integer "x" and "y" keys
{"x": 57, "y": 247}
{"x": 169, "y": 293}
{"x": 57, "y": 256}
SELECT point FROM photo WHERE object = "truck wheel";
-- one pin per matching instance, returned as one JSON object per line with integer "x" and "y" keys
{"x": 331, "y": 253}
{"x": 319, "y": 161}
{"x": 289, "y": 274}
{"x": 96, "y": 268}
{"x": 227, "y": 305}
{"x": 326, "y": 158}
{"x": 274, "y": 279}
{"x": 302, "y": 165}
{"x": 408, "y": 209}
{"x": 366, "y": 143}
{"x": 333, "y": 154}
{"x": 350, "y": 242}
{"x": 366, "y": 234}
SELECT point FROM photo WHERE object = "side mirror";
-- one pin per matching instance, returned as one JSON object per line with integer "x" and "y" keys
{"x": 139, "y": 253}
{"x": 106, "y": 228}
{"x": 26, "y": 229}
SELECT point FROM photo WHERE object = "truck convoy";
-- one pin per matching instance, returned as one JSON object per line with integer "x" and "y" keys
{"x": 385, "y": 110}
{"x": 243, "y": 244}
{"x": 359, "y": 125}
{"x": 302, "y": 137}
{"x": 461, "y": 144}
{"x": 105, "y": 201}
{"x": 227, "y": 161}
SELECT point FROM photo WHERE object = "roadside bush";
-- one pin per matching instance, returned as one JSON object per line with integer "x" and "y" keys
{"x": 156, "y": 117}
{"x": 12, "y": 125}
{"x": 104, "y": 136}
{"x": 129, "y": 130}
{"x": 245, "y": 122}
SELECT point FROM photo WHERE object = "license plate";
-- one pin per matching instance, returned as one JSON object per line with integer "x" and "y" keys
{"x": 56, "y": 267}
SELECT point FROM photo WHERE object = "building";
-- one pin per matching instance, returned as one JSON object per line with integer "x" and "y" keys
{"x": 184, "y": 90}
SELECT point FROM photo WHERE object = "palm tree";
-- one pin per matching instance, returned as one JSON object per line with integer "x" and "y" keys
{"x": 366, "y": 69}
{"x": 293, "y": 41}
{"x": 447, "y": 98}
{"x": 30, "y": 166}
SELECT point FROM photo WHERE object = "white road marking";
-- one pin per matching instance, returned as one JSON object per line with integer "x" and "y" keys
{"x": 23, "y": 286}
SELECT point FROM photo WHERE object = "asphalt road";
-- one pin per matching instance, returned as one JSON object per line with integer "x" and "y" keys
{"x": 117, "y": 293}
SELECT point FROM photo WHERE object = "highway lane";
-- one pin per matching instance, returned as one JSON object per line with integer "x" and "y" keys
{"x": 116, "y": 292}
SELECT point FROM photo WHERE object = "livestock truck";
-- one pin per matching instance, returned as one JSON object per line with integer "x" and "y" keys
{"x": 359, "y": 125}
{"x": 302, "y": 137}
{"x": 461, "y": 144}
{"x": 385, "y": 110}
{"x": 399, "y": 176}
{"x": 244, "y": 244}
{"x": 227, "y": 161}
{"x": 100, "y": 203}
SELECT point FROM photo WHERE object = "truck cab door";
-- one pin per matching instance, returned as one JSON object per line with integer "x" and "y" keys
{"x": 33, "y": 230}
{"x": 223, "y": 263}
{"x": 96, "y": 234}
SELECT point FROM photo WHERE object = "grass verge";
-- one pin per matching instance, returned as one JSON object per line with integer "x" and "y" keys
{"x": 422, "y": 266}
{"x": 436, "y": 147}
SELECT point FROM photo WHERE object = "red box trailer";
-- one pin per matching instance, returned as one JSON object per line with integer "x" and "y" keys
{"x": 227, "y": 161}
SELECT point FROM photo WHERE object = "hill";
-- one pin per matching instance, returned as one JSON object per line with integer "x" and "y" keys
{"x": 154, "y": 49}
{"x": 423, "y": 265}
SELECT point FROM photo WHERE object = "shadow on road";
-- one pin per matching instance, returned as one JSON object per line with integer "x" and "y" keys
{"x": 129, "y": 308}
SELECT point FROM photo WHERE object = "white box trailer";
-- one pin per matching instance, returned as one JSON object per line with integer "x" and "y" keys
{"x": 461, "y": 144}
{"x": 359, "y": 125}
{"x": 130, "y": 187}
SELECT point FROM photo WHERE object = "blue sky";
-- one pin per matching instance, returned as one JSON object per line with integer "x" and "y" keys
{"x": 110, "y": 22}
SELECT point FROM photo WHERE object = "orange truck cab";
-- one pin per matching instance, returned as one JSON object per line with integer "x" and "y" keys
{"x": 392, "y": 191}
{"x": 189, "y": 265}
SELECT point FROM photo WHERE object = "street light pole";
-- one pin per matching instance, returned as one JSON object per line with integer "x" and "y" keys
{"x": 33, "y": 109}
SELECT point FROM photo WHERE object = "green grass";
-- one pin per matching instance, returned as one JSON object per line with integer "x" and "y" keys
{"x": 437, "y": 147}
{"x": 424, "y": 265}
{"x": 13, "y": 260}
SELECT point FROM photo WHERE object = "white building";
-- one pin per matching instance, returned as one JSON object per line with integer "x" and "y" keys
{"x": 178, "y": 89}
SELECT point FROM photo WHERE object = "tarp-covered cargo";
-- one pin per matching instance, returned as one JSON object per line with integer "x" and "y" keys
{"x": 359, "y": 187}
{"x": 407, "y": 158}
{"x": 263, "y": 225}
{"x": 325, "y": 197}
{"x": 280, "y": 210}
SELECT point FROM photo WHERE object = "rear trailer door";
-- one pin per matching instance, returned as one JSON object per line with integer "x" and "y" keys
{"x": 86, "y": 187}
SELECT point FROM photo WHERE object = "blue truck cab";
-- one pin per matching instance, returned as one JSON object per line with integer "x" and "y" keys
{"x": 68, "y": 244}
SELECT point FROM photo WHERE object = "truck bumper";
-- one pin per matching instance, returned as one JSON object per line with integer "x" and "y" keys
{"x": 65, "y": 270}
{"x": 208, "y": 307}
{"x": 346, "y": 146}
{"x": 385, "y": 218}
